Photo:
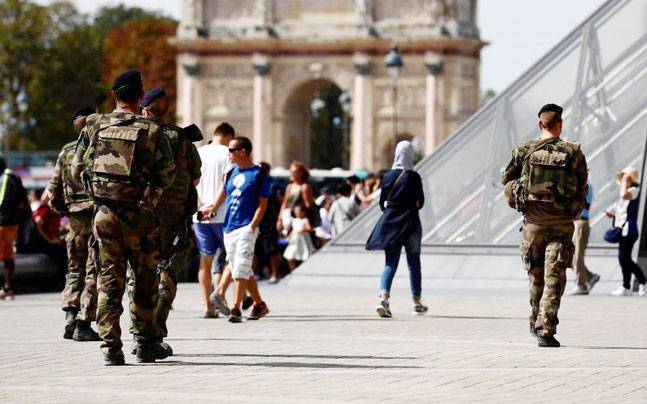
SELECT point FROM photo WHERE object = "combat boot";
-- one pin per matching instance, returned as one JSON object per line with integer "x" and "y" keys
{"x": 148, "y": 352}
{"x": 547, "y": 341}
{"x": 114, "y": 359}
{"x": 83, "y": 332}
{"x": 70, "y": 323}
{"x": 167, "y": 348}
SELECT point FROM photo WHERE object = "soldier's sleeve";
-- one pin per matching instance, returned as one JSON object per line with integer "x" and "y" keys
{"x": 163, "y": 169}
{"x": 582, "y": 174}
{"x": 82, "y": 144}
{"x": 195, "y": 162}
{"x": 513, "y": 170}
{"x": 56, "y": 201}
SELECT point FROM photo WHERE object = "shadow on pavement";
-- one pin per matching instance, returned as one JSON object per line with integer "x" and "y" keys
{"x": 478, "y": 317}
{"x": 607, "y": 347}
{"x": 296, "y": 356}
{"x": 286, "y": 365}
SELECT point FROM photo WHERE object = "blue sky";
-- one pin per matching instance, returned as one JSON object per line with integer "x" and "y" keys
{"x": 519, "y": 32}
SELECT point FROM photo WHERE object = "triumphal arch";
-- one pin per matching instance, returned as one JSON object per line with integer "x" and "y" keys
{"x": 259, "y": 63}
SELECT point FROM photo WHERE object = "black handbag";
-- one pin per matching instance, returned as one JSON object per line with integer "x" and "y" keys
{"x": 614, "y": 234}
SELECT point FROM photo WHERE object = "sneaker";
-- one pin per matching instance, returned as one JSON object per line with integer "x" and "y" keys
{"x": 548, "y": 341}
{"x": 579, "y": 290}
{"x": 259, "y": 310}
{"x": 593, "y": 280}
{"x": 621, "y": 291}
{"x": 83, "y": 332}
{"x": 220, "y": 303}
{"x": 116, "y": 359}
{"x": 383, "y": 309}
{"x": 642, "y": 290}
{"x": 273, "y": 280}
{"x": 7, "y": 294}
{"x": 70, "y": 324}
{"x": 235, "y": 315}
{"x": 211, "y": 313}
{"x": 419, "y": 309}
{"x": 247, "y": 303}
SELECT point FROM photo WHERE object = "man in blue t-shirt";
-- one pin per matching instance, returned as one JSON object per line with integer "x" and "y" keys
{"x": 245, "y": 193}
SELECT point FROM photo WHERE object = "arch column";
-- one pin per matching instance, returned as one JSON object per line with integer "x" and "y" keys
{"x": 190, "y": 92}
{"x": 434, "y": 69}
{"x": 362, "y": 139}
{"x": 262, "y": 108}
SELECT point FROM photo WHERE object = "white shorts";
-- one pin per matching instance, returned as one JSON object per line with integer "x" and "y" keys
{"x": 239, "y": 245}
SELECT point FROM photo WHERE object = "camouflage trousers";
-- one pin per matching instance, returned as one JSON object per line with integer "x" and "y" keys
{"x": 127, "y": 238}
{"x": 546, "y": 252}
{"x": 80, "y": 292}
{"x": 172, "y": 264}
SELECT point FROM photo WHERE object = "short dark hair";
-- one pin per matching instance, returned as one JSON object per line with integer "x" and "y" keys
{"x": 244, "y": 143}
{"x": 225, "y": 129}
{"x": 353, "y": 179}
{"x": 129, "y": 93}
{"x": 550, "y": 115}
{"x": 266, "y": 168}
{"x": 344, "y": 189}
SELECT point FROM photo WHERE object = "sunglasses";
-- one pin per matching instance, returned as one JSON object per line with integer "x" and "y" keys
{"x": 234, "y": 149}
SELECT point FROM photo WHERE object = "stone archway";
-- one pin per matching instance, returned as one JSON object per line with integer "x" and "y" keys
{"x": 297, "y": 125}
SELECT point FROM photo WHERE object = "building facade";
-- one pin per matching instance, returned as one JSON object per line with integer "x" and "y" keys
{"x": 259, "y": 63}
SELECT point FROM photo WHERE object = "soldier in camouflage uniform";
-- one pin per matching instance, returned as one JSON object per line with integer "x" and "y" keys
{"x": 126, "y": 163}
{"x": 172, "y": 211}
{"x": 547, "y": 181}
{"x": 69, "y": 198}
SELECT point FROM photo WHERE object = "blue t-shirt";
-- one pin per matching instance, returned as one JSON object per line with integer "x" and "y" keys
{"x": 243, "y": 191}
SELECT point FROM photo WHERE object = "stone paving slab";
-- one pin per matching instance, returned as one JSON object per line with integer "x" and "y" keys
{"x": 327, "y": 345}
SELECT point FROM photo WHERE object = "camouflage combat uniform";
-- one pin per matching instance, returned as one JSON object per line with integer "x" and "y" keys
{"x": 173, "y": 216}
{"x": 68, "y": 197}
{"x": 127, "y": 164}
{"x": 548, "y": 180}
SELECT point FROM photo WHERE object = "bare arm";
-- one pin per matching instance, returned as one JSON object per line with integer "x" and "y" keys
{"x": 260, "y": 211}
{"x": 307, "y": 227}
{"x": 306, "y": 193}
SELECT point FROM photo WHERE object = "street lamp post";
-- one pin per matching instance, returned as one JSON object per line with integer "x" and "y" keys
{"x": 393, "y": 62}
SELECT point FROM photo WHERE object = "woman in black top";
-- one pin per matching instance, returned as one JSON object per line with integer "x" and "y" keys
{"x": 399, "y": 226}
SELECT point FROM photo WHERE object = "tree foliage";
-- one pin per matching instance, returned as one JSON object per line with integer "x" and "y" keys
{"x": 54, "y": 60}
{"x": 143, "y": 45}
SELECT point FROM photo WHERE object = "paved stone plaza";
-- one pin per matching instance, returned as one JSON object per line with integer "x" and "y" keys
{"x": 322, "y": 345}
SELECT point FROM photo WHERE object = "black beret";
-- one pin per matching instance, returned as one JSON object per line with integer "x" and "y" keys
{"x": 152, "y": 95}
{"x": 129, "y": 78}
{"x": 83, "y": 111}
{"x": 550, "y": 108}
{"x": 193, "y": 132}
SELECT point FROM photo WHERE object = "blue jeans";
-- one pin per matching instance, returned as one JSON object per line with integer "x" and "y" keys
{"x": 392, "y": 254}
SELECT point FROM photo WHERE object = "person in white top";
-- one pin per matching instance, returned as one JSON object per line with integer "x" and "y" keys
{"x": 207, "y": 225}
{"x": 625, "y": 214}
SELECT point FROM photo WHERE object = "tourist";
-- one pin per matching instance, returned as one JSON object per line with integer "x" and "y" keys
{"x": 208, "y": 222}
{"x": 300, "y": 246}
{"x": 399, "y": 226}
{"x": 625, "y": 214}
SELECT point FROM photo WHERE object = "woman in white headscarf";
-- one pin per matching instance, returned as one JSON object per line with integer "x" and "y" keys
{"x": 399, "y": 226}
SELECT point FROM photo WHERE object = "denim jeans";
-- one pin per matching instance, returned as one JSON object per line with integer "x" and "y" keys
{"x": 392, "y": 254}
{"x": 628, "y": 265}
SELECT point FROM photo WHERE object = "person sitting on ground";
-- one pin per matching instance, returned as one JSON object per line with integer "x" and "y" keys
{"x": 343, "y": 210}
{"x": 300, "y": 246}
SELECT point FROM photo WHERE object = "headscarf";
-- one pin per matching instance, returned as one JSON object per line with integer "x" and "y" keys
{"x": 403, "y": 156}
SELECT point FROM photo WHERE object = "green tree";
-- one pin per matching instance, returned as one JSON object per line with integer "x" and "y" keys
{"x": 22, "y": 45}
{"x": 327, "y": 129}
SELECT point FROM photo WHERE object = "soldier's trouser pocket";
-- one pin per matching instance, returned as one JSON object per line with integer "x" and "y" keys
{"x": 526, "y": 255}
